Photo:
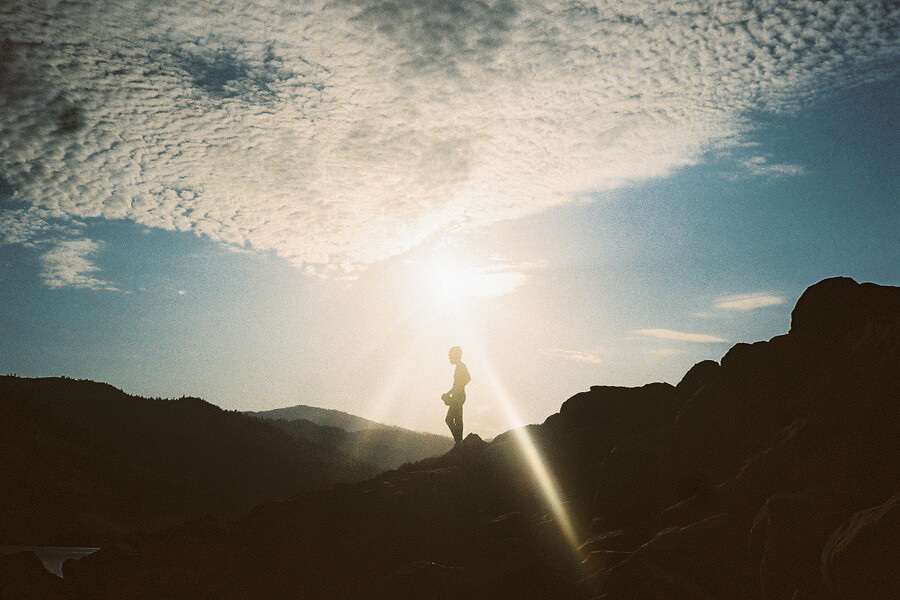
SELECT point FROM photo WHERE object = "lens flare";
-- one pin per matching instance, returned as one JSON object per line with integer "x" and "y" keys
{"x": 545, "y": 479}
{"x": 386, "y": 397}
{"x": 452, "y": 323}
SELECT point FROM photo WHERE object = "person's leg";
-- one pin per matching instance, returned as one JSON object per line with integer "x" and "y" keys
{"x": 454, "y": 422}
{"x": 451, "y": 422}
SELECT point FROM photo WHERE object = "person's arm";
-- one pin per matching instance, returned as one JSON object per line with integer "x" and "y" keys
{"x": 449, "y": 393}
{"x": 452, "y": 387}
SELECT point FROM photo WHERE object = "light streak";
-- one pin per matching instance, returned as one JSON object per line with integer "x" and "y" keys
{"x": 545, "y": 479}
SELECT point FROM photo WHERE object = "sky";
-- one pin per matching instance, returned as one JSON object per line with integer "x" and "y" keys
{"x": 274, "y": 203}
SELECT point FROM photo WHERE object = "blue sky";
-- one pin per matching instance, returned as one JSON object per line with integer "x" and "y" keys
{"x": 262, "y": 218}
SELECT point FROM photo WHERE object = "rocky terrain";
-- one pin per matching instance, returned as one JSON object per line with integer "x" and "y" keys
{"x": 773, "y": 474}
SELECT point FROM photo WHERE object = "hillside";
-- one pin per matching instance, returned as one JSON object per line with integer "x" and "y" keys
{"x": 82, "y": 462}
{"x": 362, "y": 440}
{"x": 770, "y": 475}
{"x": 326, "y": 417}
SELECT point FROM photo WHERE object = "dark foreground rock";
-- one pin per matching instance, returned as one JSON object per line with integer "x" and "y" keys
{"x": 24, "y": 577}
{"x": 770, "y": 475}
{"x": 862, "y": 557}
{"x": 785, "y": 546}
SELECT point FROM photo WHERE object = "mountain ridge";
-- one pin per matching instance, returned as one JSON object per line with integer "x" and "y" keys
{"x": 93, "y": 443}
{"x": 327, "y": 417}
{"x": 84, "y": 462}
{"x": 384, "y": 446}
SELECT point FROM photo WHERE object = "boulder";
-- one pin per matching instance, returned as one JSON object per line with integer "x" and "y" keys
{"x": 514, "y": 525}
{"x": 24, "y": 577}
{"x": 696, "y": 379}
{"x": 508, "y": 474}
{"x": 706, "y": 502}
{"x": 710, "y": 554}
{"x": 424, "y": 579}
{"x": 616, "y": 540}
{"x": 632, "y": 483}
{"x": 603, "y": 560}
{"x": 785, "y": 547}
{"x": 834, "y": 309}
{"x": 732, "y": 417}
{"x": 845, "y": 464}
{"x": 595, "y": 569}
{"x": 592, "y": 423}
{"x": 847, "y": 335}
{"x": 640, "y": 580}
{"x": 861, "y": 559}
{"x": 466, "y": 451}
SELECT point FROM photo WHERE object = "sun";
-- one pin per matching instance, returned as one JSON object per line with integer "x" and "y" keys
{"x": 446, "y": 282}
{"x": 451, "y": 282}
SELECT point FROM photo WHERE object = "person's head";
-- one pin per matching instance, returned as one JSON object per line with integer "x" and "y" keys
{"x": 455, "y": 354}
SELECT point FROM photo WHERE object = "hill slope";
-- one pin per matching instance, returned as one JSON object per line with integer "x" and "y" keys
{"x": 362, "y": 440}
{"x": 82, "y": 461}
{"x": 326, "y": 417}
{"x": 769, "y": 475}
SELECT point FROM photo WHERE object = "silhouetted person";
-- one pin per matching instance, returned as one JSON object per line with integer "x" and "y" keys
{"x": 457, "y": 394}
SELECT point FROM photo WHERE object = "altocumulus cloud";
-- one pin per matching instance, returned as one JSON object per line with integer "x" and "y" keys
{"x": 31, "y": 226}
{"x": 69, "y": 263}
{"x": 337, "y": 134}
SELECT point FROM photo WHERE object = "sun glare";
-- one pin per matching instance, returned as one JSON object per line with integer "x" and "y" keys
{"x": 451, "y": 282}
{"x": 446, "y": 285}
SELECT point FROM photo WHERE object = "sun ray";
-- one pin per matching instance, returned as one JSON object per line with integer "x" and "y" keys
{"x": 447, "y": 288}
{"x": 387, "y": 395}
{"x": 546, "y": 480}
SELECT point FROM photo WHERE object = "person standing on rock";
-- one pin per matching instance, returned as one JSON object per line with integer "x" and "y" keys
{"x": 457, "y": 394}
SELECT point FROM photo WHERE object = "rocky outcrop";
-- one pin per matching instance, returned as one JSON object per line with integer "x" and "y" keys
{"x": 785, "y": 546}
{"x": 862, "y": 557}
{"x": 770, "y": 475}
{"x": 840, "y": 310}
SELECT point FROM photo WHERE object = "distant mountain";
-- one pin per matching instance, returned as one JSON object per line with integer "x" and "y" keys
{"x": 384, "y": 446}
{"x": 320, "y": 416}
{"x": 83, "y": 461}
{"x": 769, "y": 475}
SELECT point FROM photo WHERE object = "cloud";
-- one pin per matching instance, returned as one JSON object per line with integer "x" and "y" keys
{"x": 666, "y": 351}
{"x": 69, "y": 264}
{"x": 574, "y": 355}
{"x": 668, "y": 334}
{"x": 29, "y": 226}
{"x": 337, "y": 134}
{"x": 757, "y": 165}
{"x": 66, "y": 255}
{"x": 749, "y": 301}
